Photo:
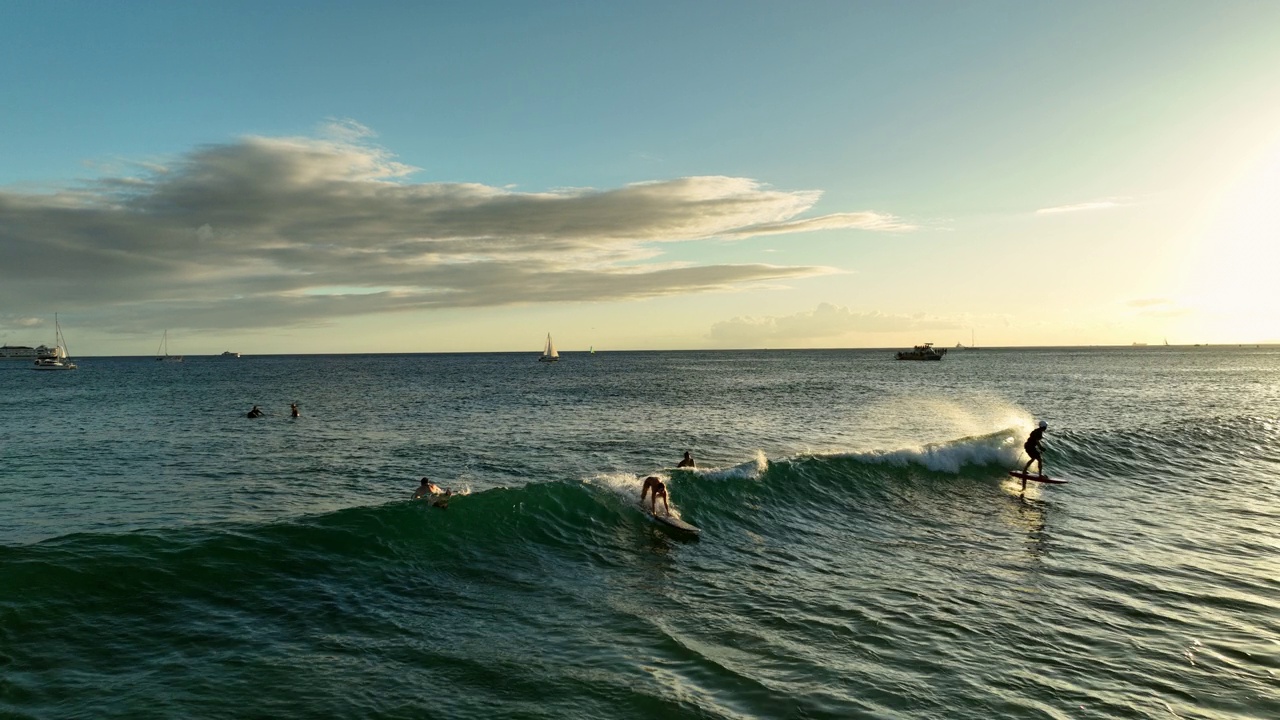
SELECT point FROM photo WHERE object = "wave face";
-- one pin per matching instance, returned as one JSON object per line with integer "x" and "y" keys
{"x": 863, "y": 551}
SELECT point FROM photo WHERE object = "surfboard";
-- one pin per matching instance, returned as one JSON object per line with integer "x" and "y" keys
{"x": 672, "y": 521}
{"x": 676, "y": 523}
{"x": 1037, "y": 478}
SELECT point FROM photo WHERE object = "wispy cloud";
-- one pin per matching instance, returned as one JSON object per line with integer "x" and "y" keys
{"x": 1149, "y": 302}
{"x": 1102, "y": 204}
{"x": 243, "y": 234}
{"x": 1159, "y": 308}
{"x": 835, "y": 221}
{"x": 825, "y": 322}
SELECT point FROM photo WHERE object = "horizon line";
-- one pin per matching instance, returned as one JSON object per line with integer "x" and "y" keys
{"x": 1152, "y": 347}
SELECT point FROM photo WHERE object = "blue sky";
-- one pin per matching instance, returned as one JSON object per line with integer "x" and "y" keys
{"x": 417, "y": 177}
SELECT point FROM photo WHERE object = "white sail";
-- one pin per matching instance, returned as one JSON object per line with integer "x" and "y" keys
{"x": 549, "y": 354}
{"x": 60, "y": 352}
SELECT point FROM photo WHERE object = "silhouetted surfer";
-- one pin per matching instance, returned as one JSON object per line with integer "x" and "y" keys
{"x": 659, "y": 489}
{"x": 293, "y": 410}
{"x": 687, "y": 461}
{"x": 1032, "y": 446}
{"x": 256, "y": 412}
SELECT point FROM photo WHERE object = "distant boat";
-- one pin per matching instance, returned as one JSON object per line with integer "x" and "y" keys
{"x": 549, "y": 354}
{"x": 1138, "y": 344}
{"x": 922, "y": 352}
{"x": 60, "y": 352}
{"x": 26, "y": 352}
{"x": 229, "y": 354}
{"x": 162, "y": 352}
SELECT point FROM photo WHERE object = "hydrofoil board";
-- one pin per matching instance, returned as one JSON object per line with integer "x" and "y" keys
{"x": 1037, "y": 478}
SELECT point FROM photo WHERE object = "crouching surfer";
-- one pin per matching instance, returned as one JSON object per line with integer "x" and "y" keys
{"x": 1032, "y": 446}
{"x": 659, "y": 490}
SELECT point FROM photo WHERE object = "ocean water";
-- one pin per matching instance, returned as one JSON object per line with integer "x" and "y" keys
{"x": 863, "y": 553}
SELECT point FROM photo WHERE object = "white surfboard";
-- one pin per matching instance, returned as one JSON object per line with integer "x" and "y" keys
{"x": 671, "y": 521}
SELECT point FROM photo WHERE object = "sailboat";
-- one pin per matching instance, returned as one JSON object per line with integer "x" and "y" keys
{"x": 549, "y": 354}
{"x": 61, "y": 360}
{"x": 162, "y": 352}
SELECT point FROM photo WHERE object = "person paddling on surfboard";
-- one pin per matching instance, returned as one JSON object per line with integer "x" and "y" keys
{"x": 1032, "y": 446}
{"x": 687, "y": 461}
{"x": 429, "y": 488}
{"x": 426, "y": 488}
{"x": 659, "y": 489}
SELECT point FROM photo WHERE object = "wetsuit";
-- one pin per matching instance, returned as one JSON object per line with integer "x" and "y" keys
{"x": 1032, "y": 446}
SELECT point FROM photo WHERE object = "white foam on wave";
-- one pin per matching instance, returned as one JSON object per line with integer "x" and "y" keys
{"x": 916, "y": 421}
{"x": 626, "y": 487}
{"x": 1002, "y": 448}
{"x": 752, "y": 469}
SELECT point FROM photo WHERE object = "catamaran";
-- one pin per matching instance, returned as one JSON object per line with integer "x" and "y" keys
{"x": 60, "y": 360}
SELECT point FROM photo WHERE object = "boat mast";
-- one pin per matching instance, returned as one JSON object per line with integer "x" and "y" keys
{"x": 58, "y": 340}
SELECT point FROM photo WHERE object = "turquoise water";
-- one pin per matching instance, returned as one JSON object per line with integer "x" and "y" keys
{"x": 863, "y": 553}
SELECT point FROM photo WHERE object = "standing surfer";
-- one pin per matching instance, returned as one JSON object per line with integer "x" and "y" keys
{"x": 1032, "y": 446}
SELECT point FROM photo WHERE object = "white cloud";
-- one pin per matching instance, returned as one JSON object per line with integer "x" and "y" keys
{"x": 234, "y": 236}
{"x": 1149, "y": 302}
{"x": 824, "y": 323}
{"x": 1159, "y": 308}
{"x": 345, "y": 130}
{"x": 1103, "y": 204}
{"x": 835, "y": 221}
